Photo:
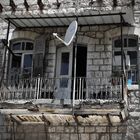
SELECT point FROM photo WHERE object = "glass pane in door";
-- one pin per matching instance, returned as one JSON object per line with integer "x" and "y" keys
{"x": 27, "y": 65}
{"x": 15, "y": 67}
{"x": 64, "y": 64}
{"x": 64, "y": 69}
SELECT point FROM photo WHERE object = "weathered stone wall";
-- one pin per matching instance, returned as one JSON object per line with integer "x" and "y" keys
{"x": 133, "y": 122}
{"x": 11, "y": 130}
{"x": 43, "y": 132}
{"x": 128, "y": 130}
{"x": 99, "y": 52}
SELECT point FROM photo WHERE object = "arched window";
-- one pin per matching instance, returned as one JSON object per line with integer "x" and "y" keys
{"x": 21, "y": 61}
{"x": 130, "y": 47}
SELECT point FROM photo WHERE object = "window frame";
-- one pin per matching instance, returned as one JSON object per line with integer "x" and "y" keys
{"x": 126, "y": 50}
{"x": 22, "y": 52}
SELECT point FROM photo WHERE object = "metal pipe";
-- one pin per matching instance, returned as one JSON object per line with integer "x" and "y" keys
{"x": 122, "y": 54}
{"x": 74, "y": 76}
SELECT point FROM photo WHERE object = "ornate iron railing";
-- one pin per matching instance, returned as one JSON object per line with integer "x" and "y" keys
{"x": 52, "y": 88}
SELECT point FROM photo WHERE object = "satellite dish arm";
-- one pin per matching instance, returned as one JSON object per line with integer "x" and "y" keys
{"x": 55, "y": 34}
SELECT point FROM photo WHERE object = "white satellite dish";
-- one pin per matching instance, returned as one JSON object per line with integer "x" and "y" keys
{"x": 70, "y": 33}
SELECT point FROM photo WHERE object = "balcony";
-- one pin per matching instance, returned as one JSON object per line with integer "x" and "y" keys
{"x": 86, "y": 89}
{"x": 102, "y": 96}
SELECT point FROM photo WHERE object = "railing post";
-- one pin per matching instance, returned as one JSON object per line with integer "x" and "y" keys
{"x": 38, "y": 86}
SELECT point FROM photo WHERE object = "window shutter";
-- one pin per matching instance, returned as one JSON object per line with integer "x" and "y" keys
{"x": 38, "y": 56}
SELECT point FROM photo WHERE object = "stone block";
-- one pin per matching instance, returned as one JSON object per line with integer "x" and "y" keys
{"x": 54, "y": 136}
{"x": 41, "y": 136}
{"x": 93, "y": 55}
{"x": 99, "y": 35}
{"x": 105, "y": 68}
{"x": 137, "y": 135}
{"x": 94, "y": 136}
{"x": 60, "y": 129}
{"x": 85, "y": 39}
{"x": 108, "y": 48}
{"x": 50, "y": 69}
{"x": 91, "y": 48}
{"x": 85, "y": 28}
{"x": 115, "y": 119}
{"x": 20, "y": 128}
{"x": 28, "y": 128}
{"x": 79, "y": 39}
{"x": 74, "y": 137}
{"x": 2, "y": 129}
{"x": 28, "y": 136}
{"x": 50, "y": 75}
{"x": 122, "y": 129}
{"x": 98, "y": 74}
{"x": 96, "y": 41}
{"x": 52, "y": 49}
{"x": 70, "y": 129}
{"x": 94, "y": 28}
{"x": 105, "y": 137}
{"x": 112, "y": 129}
{"x": 19, "y": 136}
{"x": 41, "y": 127}
{"x": 99, "y": 47}
{"x": 51, "y": 56}
{"x": 51, "y": 63}
{"x": 108, "y": 61}
{"x": 89, "y": 129}
{"x": 80, "y": 129}
{"x": 107, "y": 73}
{"x": 106, "y": 55}
{"x": 92, "y": 68}
{"x": 50, "y": 129}
{"x": 84, "y": 136}
{"x": 6, "y": 136}
{"x": 65, "y": 136}
{"x": 89, "y": 62}
{"x": 98, "y": 62}
{"x": 101, "y": 129}
{"x": 116, "y": 137}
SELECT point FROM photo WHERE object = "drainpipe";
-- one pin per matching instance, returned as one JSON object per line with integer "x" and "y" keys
{"x": 5, "y": 51}
{"x": 122, "y": 53}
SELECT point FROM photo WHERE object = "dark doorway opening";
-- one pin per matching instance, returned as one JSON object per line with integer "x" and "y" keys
{"x": 81, "y": 64}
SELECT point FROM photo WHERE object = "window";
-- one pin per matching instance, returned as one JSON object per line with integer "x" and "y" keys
{"x": 127, "y": 42}
{"x": 22, "y": 46}
{"x": 130, "y": 44}
{"x": 64, "y": 64}
{"x": 21, "y": 61}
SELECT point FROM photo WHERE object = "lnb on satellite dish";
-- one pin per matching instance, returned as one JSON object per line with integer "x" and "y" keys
{"x": 70, "y": 33}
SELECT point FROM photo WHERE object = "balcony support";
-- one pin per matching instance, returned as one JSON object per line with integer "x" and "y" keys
{"x": 122, "y": 56}
{"x": 5, "y": 51}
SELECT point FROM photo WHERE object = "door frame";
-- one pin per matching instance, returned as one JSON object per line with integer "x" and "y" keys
{"x": 63, "y": 92}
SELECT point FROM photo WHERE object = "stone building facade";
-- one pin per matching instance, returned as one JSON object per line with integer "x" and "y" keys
{"x": 99, "y": 40}
{"x": 39, "y": 53}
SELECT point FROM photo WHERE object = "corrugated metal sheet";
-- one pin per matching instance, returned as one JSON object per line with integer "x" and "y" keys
{"x": 59, "y": 19}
